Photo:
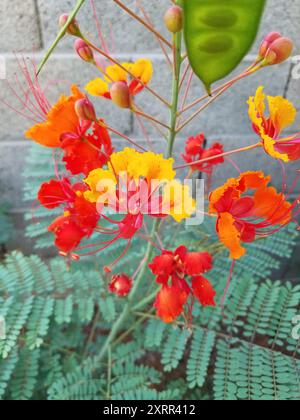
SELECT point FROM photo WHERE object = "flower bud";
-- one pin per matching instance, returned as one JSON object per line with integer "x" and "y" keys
{"x": 84, "y": 51}
{"x": 120, "y": 95}
{"x": 279, "y": 51}
{"x": 174, "y": 19}
{"x": 266, "y": 43}
{"x": 85, "y": 110}
{"x": 73, "y": 28}
{"x": 120, "y": 285}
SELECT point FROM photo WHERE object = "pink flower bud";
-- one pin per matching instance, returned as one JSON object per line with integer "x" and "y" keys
{"x": 120, "y": 285}
{"x": 84, "y": 51}
{"x": 279, "y": 51}
{"x": 267, "y": 41}
{"x": 120, "y": 95}
{"x": 73, "y": 28}
{"x": 85, "y": 110}
{"x": 174, "y": 19}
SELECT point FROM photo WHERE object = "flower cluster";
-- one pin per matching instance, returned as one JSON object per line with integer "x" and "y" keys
{"x": 113, "y": 193}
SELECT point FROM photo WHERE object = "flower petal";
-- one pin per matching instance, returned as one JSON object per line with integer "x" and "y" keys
{"x": 204, "y": 291}
{"x": 230, "y": 236}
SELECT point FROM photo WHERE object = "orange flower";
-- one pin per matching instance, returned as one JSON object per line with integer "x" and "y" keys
{"x": 241, "y": 217}
{"x": 282, "y": 115}
{"x": 61, "y": 119}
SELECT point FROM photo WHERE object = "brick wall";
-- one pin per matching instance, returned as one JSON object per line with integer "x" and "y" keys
{"x": 30, "y": 26}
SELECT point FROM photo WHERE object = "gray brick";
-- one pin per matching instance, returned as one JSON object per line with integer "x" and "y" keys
{"x": 118, "y": 28}
{"x": 19, "y": 26}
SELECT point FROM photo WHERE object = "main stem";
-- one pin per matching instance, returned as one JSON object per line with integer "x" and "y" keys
{"x": 127, "y": 309}
{"x": 175, "y": 91}
{"x": 173, "y": 121}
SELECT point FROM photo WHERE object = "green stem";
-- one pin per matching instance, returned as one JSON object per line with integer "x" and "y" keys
{"x": 127, "y": 309}
{"x": 175, "y": 91}
{"x": 60, "y": 35}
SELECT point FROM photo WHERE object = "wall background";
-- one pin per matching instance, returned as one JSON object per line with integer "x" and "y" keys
{"x": 29, "y": 26}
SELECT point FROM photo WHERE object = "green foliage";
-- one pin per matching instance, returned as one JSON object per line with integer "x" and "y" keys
{"x": 250, "y": 372}
{"x": 57, "y": 319}
{"x": 218, "y": 35}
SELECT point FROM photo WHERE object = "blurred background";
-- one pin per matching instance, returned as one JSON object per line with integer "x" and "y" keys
{"x": 29, "y": 27}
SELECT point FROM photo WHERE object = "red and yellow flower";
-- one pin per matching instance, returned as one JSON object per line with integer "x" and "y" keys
{"x": 247, "y": 208}
{"x": 172, "y": 270}
{"x": 282, "y": 114}
{"x": 137, "y": 184}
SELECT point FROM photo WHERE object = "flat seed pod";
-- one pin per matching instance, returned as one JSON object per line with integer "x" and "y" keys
{"x": 218, "y": 35}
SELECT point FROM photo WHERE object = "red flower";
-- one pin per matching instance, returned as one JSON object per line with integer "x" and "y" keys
{"x": 195, "y": 151}
{"x": 68, "y": 234}
{"x": 170, "y": 302}
{"x": 172, "y": 269}
{"x": 120, "y": 285}
{"x": 80, "y": 217}
{"x": 180, "y": 263}
{"x": 86, "y": 152}
{"x": 55, "y": 193}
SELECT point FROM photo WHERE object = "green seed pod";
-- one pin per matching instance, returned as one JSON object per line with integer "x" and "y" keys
{"x": 219, "y": 34}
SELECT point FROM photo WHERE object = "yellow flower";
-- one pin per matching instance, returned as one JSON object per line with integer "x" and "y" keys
{"x": 142, "y": 165}
{"x": 282, "y": 114}
{"x": 142, "y": 71}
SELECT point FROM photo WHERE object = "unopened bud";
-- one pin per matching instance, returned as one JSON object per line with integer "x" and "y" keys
{"x": 174, "y": 19}
{"x": 73, "y": 28}
{"x": 84, "y": 51}
{"x": 266, "y": 43}
{"x": 120, "y": 95}
{"x": 120, "y": 285}
{"x": 279, "y": 51}
{"x": 85, "y": 110}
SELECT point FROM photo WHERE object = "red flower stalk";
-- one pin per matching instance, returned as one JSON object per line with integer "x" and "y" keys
{"x": 195, "y": 151}
{"x": 172, "y": 270}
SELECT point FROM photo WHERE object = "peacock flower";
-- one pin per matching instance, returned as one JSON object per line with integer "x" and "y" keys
{"x": 80, "y": 217}
{"x": 67, "y": 126}
{"x": 247, "y": 208}
{"x": 195, "y": 151}
{"x": 119, "y": 85}
{"x": 282, "y": 114}
{"x": 143, "y": 174}
{"x": 137, "y": 184}
{"x": 172, "y": 271}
